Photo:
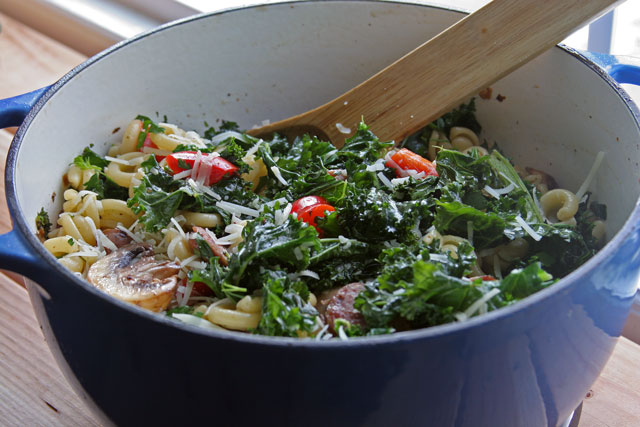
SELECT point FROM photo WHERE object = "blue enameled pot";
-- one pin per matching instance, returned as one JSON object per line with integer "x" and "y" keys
{"x": 530, "y": 364}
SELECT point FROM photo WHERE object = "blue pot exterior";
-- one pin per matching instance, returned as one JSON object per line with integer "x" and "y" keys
{"x": 529, "y": 364}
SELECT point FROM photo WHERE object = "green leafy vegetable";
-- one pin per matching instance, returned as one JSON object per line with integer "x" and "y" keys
{"x": 43, "y": 225}
{"x": 266, "y": 244}
{"x": 148, "y": 126}
{"x": 106, "y": 188}
{"x": 286, "y": 310}
{"x": 90, "y": 160}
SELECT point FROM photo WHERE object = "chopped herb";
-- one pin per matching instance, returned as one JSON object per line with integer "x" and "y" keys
{"x": 43, "y": 225}
{"x": 90, "y": 160}
{"x": 183, "y": 165}
{"x": 148, "y": 126}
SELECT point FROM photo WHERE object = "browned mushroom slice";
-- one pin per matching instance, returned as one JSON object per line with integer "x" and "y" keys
{"x": 132, "y": 274}
{"x": 117, "y": 237}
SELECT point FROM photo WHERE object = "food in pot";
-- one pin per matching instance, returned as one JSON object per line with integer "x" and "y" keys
{"x": 303, "y": 239}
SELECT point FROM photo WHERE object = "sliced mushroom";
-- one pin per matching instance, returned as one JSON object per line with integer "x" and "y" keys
{"x": 117, "y": 237}
{"x": 132, "y": 274}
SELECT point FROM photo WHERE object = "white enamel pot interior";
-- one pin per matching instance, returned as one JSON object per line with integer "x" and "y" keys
{"x": 556, "y": 114}
{"x": 271, "y": 62}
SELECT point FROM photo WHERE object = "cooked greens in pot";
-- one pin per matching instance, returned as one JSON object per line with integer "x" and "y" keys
{"x": 302, "y": 239}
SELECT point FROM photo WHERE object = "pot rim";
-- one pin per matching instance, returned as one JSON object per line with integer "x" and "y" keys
{"x": 33, "y": 243}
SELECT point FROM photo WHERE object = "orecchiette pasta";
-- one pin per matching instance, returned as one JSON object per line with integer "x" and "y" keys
{"x": 62, "y": 245}
{"x": 450, "y": 244}
{"x": 177, "y": 246}
{"x": 480, "y": 150}
{"x": 79, "y": 227}
{"x": 116, "y": 212}
{"x": 78, "y": 178}
{"x": 559, "y": 203}
{"x": 124, "y": 170}
{"x": 463, "y": 138}
{"x": 514, "y": 250}
{"x": 599, "y": 231}
{"x": 201, "y": 219}
{"x": 129, "y": 138}
{"x": 225, "y": 314}
{"x": 250, "y": 304}
{"x": 437, "y": 141}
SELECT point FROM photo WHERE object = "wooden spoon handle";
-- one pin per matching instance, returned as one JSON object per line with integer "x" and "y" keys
{"x": 448, "y": 69}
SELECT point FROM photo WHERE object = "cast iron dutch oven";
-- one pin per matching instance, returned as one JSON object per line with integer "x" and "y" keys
{"x": 529, "y": 364}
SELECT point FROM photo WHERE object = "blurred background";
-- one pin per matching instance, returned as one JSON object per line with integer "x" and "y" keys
{"x": 89, "y": 26}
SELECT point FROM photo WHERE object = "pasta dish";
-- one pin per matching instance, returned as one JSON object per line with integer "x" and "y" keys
{"x": 302, "y": 239}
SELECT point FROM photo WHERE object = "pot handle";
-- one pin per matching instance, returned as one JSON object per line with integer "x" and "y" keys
{"x": 14, "y": 110}
{"x": 623, "y": 69}
{"x": 15, "y": 254}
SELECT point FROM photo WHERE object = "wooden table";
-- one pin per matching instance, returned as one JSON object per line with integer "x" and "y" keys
{"x": 32, "y": 389}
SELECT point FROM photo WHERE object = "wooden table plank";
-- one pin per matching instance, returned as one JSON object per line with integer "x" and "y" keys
{"x": 614, "y": 400}
{"x": 31, "y": 384}
{"x": 29, "y": 60}
{"x": 32, "y": 389}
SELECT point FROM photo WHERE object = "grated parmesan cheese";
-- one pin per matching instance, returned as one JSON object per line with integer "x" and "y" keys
{"x": 134, "y": 237}
{"x": 385, "y": 180}
{"x": 460, "y": 317}
{"x": 196, "y": 321}
{"x": 183, "y": 174}
{"x": 178, "y": 227}
{"x": 251, "y": 151}
{"x": 492, "y": 192}
{"x": 341, "y": 334}
{"x": 104, "y": 240}
{"x": 309, "y": 273}
{"x": 480, "y": 301}
{"x": 530, "y": 231}
{"x": 320, "y": 334}
{"x": 236, "y": 209}
{"x": 343, "y": 129}
{"x": 497, "y": 272}
{"x": 156, "y": 151}
{"x": 592, "y": 173}
{"x": 187, "y": 261}
{"x": 116, "y": 160}
{"x": 278, "y": 175}
{"x": 229, "y": 134}
{"x": 399, "y": 181}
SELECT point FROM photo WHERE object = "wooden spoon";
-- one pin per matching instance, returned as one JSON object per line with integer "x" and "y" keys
{"x": 445, "y": 71}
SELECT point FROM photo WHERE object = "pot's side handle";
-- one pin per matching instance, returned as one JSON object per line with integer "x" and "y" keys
{"x": 15, "y": 254}
{"x": 14, "y": 110}
{"x": 624, "y": 69}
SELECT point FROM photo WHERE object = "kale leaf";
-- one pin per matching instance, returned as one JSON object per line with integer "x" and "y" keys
{"x": 266, "y": 244}
{"x": 90, "y": 160}
{"x": 286, "y": 310}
